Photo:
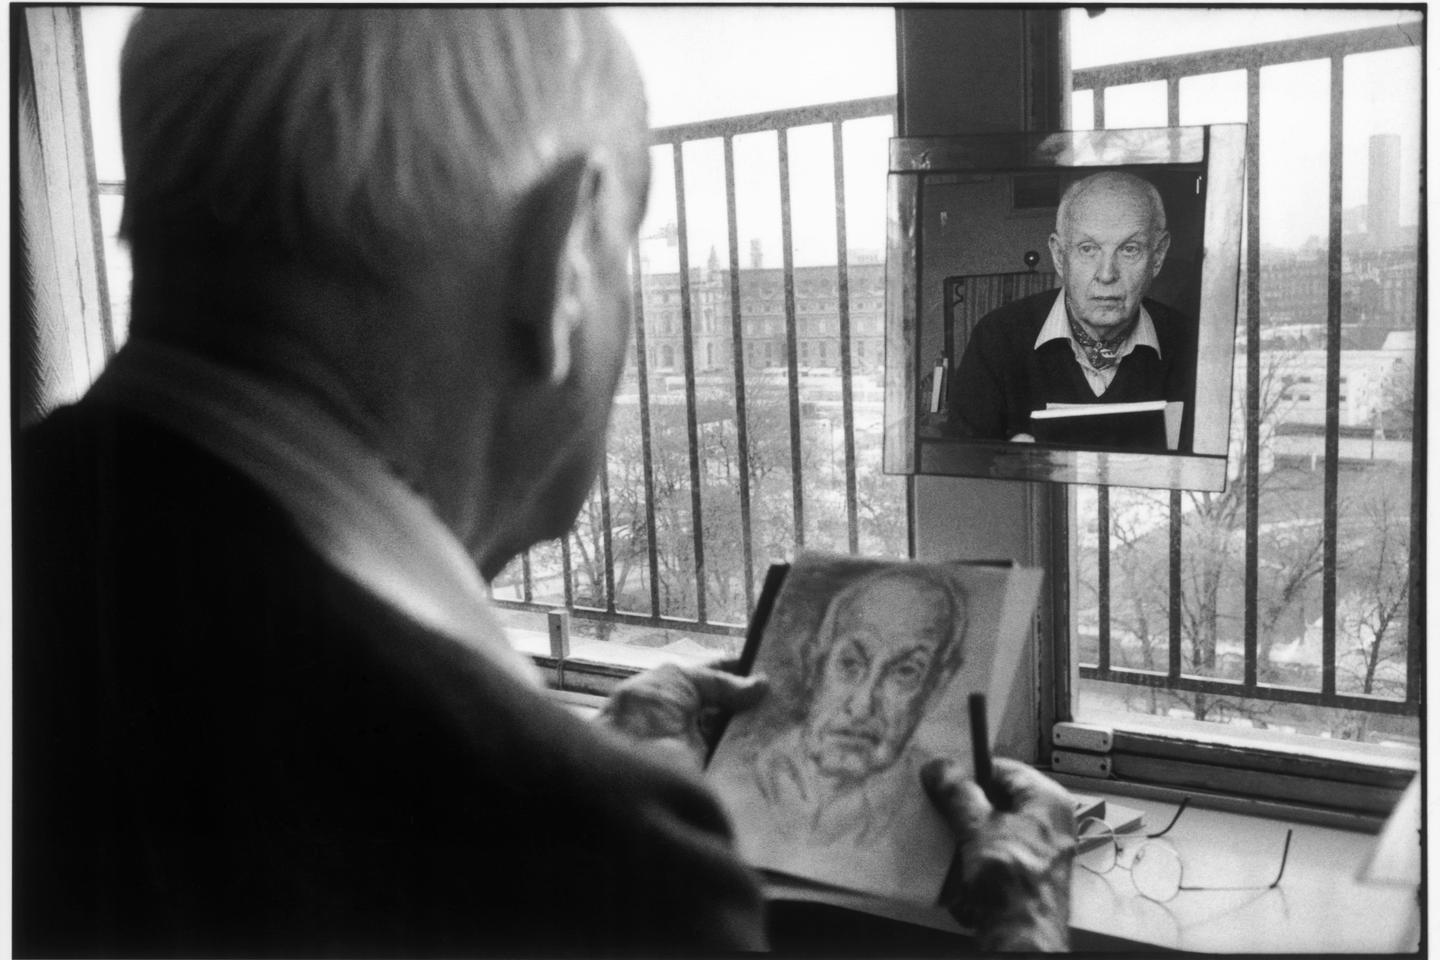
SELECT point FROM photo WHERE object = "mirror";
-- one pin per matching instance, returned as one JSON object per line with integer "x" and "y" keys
{"x": 1112, "y": 365}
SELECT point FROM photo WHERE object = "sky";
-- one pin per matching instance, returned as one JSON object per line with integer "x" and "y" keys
{"x": 708, "y": 62}
{"x": 772, "y": 58}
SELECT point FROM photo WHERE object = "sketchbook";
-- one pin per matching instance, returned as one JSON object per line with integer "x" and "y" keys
{"x": 870, "y": 665}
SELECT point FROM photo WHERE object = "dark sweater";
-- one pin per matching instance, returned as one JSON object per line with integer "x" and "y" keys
{"x": 1002, "y": 377}
{"x": 223, "y": 746}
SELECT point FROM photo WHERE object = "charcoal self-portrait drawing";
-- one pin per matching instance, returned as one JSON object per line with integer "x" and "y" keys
{"x": 837, "y": 773}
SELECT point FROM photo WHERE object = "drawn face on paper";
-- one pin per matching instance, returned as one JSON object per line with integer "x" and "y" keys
{"x": 889, "y": 637}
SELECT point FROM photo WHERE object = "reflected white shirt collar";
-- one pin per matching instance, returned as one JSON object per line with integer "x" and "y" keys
{"x": 349, "y": 505}
{"x": 1057, "y": 327}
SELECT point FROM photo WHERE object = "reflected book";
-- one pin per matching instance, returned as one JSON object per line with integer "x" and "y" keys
{"x": 1138, "y": 425}
{"x": 870, "y": 665}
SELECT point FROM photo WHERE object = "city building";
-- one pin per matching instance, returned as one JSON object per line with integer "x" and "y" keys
{"x": 763, "y": 294}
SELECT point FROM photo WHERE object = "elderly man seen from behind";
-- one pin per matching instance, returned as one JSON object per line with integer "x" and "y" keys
{"x": 1098, "y": 340}
{"x": 262, "y": 703}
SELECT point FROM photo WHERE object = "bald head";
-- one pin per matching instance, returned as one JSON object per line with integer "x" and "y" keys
{"x": 419, "y": 218}
{"x": 1109, "y": 244}
{"x": 1109, "y": 190}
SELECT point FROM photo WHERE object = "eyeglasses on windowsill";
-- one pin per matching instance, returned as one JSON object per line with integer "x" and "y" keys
{"x": 1155, "y": 867}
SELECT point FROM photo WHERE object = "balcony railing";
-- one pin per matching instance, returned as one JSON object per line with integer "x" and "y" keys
{"x": 754, "y": 333}
{"x": 1181, "y": 668}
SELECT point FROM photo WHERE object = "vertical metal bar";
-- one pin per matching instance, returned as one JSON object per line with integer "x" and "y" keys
{"x": 1061, "y": 666}
{"x": 1251, "y": 487}
{"x": 1332, "y": 373}
{"x": 567, "y": 571}
{"x": 527, "y": 578}
{"x": 607, "y": 535}
{"x": 847, "y": 398}
{"x": 1102, "y": 524}
{"x": 1415, "y": 639}
{"x": 902, "y": 312}
{"x": 797, "y": 485}
{"x": 1098, "y": 100}
{"x": 742, "y": 429}
{"x": 687, "y": 332}
{"x": 1172, "y": 101}
{"x": 1176, "y": 583}
{"x": 642, "y": 380}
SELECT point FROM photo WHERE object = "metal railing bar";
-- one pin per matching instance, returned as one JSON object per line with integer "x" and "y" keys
{"x": 1102, "y": 503}
{"x": 847, "y": 395}
{"x": 647, "y": 457}
{"x": 1176, "y": 584}
{"x": 567, "y": 572}
{"x": 1172, "y": 101}
{"x": 1234, "y": 688}
{"x": 742, "y": 428}
{"x": 527, "y": 578}
{"x": 775, "y": 120}
{"x": 1249, "y": 57}
{"x": 687, "y": 339}
{"x": 631, "y": 619}
{"x": 607, "y": 537}
{"x": 1415, "y": 639}
{"x": 792, "y": 361}
{"x": 1102, "y": 526}
{"x": 1332, "y": 375}
{"x": 1252, "y": 366}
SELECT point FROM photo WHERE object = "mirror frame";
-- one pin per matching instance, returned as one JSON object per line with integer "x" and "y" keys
{"x": 1218, "y": 149}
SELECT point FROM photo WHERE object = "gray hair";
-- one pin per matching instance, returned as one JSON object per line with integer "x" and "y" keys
{"x": 1112, "y": 180}
{"x": 355, "y": 140}
{"x": 817, "y": 645}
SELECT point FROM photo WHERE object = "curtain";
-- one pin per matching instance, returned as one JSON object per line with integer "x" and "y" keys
{"x": 60, "y": 336}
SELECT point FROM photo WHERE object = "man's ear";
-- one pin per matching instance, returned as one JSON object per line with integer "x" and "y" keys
{"x": 1162, "y": 247}
{"x": 552, "y": 276}
{"x": 1055, "y": 259}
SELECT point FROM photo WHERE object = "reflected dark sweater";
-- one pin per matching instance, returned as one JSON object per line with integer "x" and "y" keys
{"x": 1002, "y": 377}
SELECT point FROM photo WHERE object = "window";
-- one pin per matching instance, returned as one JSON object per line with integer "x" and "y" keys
{"x": 762, "y": 202}
{"x": 1277, "y": 614}
{"x": 712, "y": 473}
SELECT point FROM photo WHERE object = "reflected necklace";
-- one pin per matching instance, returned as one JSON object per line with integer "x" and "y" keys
{"x": 1102, "y": 353}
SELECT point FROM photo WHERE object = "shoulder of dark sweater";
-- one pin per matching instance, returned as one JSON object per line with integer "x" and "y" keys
{"x": 1174, "y": 329}
{"x": 1019, "y": 319}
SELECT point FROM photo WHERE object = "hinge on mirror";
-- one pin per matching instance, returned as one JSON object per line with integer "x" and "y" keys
{"x": 1081, "y": 749}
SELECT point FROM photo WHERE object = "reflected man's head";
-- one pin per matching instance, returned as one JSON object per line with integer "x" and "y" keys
{"x": 887, "y": 643}
{"x": 1109, "y": 244}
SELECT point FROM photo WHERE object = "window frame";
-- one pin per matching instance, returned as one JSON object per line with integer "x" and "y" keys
{"x": 1294, "y": 776}
{"x": 1139, "y": 759}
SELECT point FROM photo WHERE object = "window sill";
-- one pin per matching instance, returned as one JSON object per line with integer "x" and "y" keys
{"x": 1319, "y": 907}
{"x": 1318, "y": 775}
{"x": 1380, "y": 756}
{"x": 595, "y": 667}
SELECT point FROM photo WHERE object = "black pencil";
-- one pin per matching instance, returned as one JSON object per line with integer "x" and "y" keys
{"x": 980, "y": 741}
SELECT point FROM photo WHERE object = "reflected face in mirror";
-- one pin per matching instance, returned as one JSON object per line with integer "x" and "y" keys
{"x": 1109, "y": 245}
{"x": 888, "y": 642}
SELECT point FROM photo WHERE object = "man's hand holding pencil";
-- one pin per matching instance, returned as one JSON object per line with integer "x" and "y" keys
{"x": 1015, "y": 841}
